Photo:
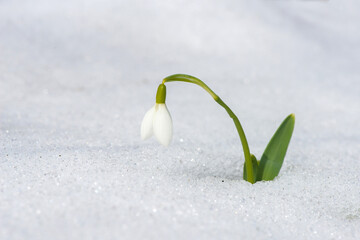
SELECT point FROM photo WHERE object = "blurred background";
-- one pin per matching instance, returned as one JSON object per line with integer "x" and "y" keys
{"x": 76, "y": 78}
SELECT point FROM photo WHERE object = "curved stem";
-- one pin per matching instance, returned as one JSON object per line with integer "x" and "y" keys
{"x": 194, "y": 80}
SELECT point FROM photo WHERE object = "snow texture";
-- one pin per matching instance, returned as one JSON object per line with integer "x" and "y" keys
{"x": 76, "y": 78}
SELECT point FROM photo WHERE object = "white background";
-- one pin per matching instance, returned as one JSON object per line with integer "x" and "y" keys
{"x": 76, "y": 78}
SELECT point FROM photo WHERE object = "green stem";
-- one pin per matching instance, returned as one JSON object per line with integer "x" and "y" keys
{"x": 194, "y": 80}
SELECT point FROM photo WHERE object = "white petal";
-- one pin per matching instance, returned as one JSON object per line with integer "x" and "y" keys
{"x": 162, "y": 125}
{"x": 147, "y": 124}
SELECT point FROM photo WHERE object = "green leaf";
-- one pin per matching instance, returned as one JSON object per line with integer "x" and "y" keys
{"x": 255, "y": 165}
{"x": 274, "y": 154}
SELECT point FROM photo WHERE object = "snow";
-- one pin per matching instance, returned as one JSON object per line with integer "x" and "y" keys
{"x": 76, "y": 78}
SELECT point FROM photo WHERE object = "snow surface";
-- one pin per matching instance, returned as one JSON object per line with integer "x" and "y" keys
{"x": 76, "y": 78}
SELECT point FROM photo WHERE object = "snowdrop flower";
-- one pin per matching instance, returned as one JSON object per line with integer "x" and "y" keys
{"x": 157, "y": 121}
